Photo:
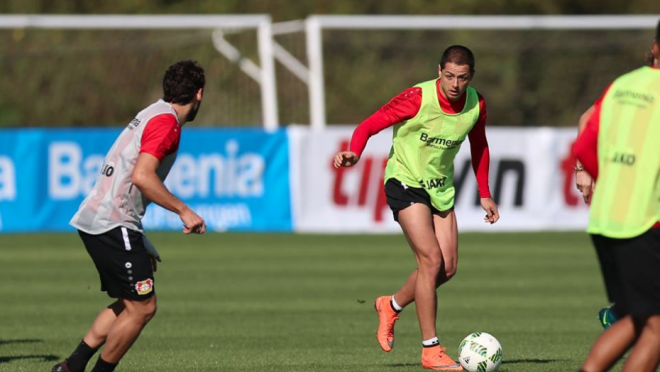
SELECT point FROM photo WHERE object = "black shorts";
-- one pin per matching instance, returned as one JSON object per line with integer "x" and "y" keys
{"x": 122, "y": 262}
{"x": 400, "y": 197}
{"x": 631, "y": 270}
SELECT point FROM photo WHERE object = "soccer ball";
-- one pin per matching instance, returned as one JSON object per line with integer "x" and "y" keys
{"x": 480, "y": 352}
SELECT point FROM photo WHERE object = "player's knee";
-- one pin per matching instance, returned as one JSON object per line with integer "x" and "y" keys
{"x": 143, "y": 311}
{"x": 653, "y": 324}
{"x": 430, "y": 265}
{"x": 150, "y": 310}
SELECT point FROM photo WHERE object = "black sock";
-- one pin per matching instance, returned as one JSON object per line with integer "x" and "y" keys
{"x": 79, "y": 358}
{"x": 103, "y": 366}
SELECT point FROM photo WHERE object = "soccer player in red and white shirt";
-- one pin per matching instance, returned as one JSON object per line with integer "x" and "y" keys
{"x": 109, "y": 219}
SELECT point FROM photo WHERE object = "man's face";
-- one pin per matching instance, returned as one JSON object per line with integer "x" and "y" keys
{"x": 655, "y": 50}
{"x": 197, "y": 102}
{"x": 454, "y": 80}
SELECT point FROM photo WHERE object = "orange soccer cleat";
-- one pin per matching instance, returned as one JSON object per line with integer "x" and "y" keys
{"x": 387, "y": 317}
{"x": 434, "y": 358}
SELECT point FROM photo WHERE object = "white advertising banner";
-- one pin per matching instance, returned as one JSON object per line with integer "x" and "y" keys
{"x": 531, "y": 179}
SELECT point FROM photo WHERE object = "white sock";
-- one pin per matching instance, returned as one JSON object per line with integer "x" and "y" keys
{"x": 431, "y": 342}
{"x": 396, "y": 306}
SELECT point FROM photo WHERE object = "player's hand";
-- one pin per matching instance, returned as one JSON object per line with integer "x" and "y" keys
{"x": 584, "y": 183}
{"x": 154, "y": 256}
{"x": 345, "y": 159}
{"x": 154, "y": 263}
{"x": 492, "y": 214}
{"x": 192, "y": 223}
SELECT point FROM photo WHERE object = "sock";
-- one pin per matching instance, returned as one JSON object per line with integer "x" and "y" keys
{"x": 431, "y": 342}
{"x": 396, "y": 307}
{"x": 79, "y": 358}
{"x": 614, "y": 309}
{"x": 103, "y": 366}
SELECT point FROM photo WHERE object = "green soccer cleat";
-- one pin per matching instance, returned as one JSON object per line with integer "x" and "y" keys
{"x": 607, "y": 317}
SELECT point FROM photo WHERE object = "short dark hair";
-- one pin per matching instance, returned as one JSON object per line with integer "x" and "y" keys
{"x": 459, "y": 55}
{"x": 181, "y": 82}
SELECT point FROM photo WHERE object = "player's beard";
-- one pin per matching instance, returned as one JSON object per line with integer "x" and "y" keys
{"x": 193, "y": 111}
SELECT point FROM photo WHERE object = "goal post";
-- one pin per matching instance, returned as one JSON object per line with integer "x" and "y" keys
{"x": 265, "y": 75}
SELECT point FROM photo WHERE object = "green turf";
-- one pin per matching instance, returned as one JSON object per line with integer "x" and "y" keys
{"x": 248, "y": 302}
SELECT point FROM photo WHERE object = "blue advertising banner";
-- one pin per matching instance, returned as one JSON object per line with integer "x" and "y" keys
{"x": 236, "y": 179}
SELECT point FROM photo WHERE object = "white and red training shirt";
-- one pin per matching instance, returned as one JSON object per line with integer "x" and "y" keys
{"x": 115, "y": 201}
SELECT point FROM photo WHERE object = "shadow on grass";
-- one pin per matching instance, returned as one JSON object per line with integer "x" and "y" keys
{"x": 44, "y": 358}
{"x": 23, "y": 341}
{"x": 533, "y": 361}
{"x": 403, "y": 365}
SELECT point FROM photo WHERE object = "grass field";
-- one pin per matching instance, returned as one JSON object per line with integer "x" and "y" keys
{"x": 249, "y": 302}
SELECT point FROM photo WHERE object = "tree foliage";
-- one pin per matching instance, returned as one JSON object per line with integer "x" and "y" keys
{"x": 58, "y": 77}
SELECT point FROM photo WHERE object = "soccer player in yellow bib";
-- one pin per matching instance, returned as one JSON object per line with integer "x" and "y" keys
{"x": 585, "y": 184}
{"x": 619, "y": 148}
{"x": 431, "y": 121}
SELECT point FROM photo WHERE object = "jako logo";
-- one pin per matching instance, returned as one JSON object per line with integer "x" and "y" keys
{"x": 71, "y": 176}
{"x": 7, "y": 179}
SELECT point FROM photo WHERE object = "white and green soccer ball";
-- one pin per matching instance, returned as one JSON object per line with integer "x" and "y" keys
{"x": 480, "y": 352}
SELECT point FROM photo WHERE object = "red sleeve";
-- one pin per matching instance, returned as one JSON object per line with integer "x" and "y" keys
{"x": 585, "y": 148}
{"x": 161, "y": 136}
{"x": 479, "y": 150}
{"x": 402, "y": 107}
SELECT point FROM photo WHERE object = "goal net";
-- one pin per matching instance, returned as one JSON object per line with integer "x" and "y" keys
{"x": 533, "y": 71}
{"x": 95, "y": 71}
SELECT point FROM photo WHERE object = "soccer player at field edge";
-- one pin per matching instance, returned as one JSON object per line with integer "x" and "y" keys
{"x": 431, "y": 121}
{"x": 619, "y": 148}
{"x": 585, "y": 184}
{"x": 109, "y": 219}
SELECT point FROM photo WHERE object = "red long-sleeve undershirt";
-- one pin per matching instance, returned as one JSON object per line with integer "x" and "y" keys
{"x": 585, "y": 147}
{"x": 406, "y": 105}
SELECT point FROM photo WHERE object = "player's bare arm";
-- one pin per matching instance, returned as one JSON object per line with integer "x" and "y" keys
{"x": 583, "y": 180}
{"x": 144, "y": 177}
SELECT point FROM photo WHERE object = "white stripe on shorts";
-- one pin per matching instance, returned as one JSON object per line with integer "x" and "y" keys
{"x": 127, "y": 243}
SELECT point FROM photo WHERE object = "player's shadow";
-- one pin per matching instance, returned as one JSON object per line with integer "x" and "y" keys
{"x": 44, "y": 358}
{"x": 22, "y": 341}
{"x": 7, "y": 359}
{"x": 533, "y": 361}
{"x": 404, "y": 365}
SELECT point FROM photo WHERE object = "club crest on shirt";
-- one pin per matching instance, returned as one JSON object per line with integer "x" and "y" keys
{"x": 144, "y": 287}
